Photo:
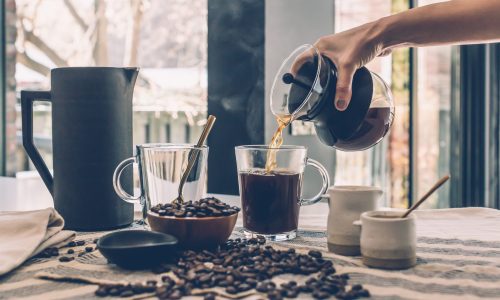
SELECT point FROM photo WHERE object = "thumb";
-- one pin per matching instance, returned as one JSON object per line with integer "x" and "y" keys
{"x": 344, "y": 84}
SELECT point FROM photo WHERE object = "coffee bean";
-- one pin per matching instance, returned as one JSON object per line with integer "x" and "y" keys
{"x": 70, "y": 251}
{"x": 315, "y": 254}
{"x": 209, "y": 296}
{"x": 137, "y": 288}
{"x": 101, "y": 291}
{"x": 223, "y": 283}
{"x": 114, "y": 291}
{"x": 180, "y": 213}
{"x": 244, "y": 287}
{"x": 89, "y": 249}
{"x": 320, "y": 294}
{"x": 65, "y": 259}
{"x": 305, "y": 289}
{"x": 71, "y": 244}
{"x": 274, "y": 295}
{"x": 126, "y": 293}
{"x": 262, "y": 288}
{"x": 151, "y": 282}
{"x": 291, "y": 293}
{"x": 80, "y": 243}
{"x": 205, "y": 278}
{"x": 176, "y": 294}
{"x": 231, "y": 290}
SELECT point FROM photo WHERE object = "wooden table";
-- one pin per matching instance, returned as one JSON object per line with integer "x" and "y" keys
{"x": 458, "y": 254}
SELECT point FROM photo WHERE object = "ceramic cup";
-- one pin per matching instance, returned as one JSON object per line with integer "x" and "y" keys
{"x": 387, "y": 240}
{"x": 347, "y": 203}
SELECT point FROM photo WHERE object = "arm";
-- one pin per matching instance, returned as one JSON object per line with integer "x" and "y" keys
{"x": 452, "y": 22}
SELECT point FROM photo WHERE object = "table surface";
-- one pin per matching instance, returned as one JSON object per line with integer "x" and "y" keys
{"x": 29, "y": 193}
{"x": 458, "y": 253}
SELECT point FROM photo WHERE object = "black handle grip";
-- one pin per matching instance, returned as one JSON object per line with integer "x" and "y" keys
{"x": 27, "y": 99}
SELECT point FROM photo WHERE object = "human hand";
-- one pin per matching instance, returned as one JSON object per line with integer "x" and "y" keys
{"x": 350, "y": 50}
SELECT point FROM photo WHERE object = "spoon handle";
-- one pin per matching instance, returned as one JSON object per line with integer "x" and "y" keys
{"x": 194, "y": 154}
{"x": 432, "y": 190}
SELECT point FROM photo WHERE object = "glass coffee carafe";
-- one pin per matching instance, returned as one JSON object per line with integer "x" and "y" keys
{"x": 304, "y": 89}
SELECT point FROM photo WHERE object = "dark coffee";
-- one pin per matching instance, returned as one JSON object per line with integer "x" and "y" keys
{"x": 270, "y": 201}
{"x": 372, "y": 129}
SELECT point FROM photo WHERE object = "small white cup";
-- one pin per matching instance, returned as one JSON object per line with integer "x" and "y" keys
{"x": 387, "y": 240}
{"x": 346, "y": 205}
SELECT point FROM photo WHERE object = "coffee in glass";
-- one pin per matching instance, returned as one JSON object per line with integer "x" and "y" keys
{"x": 271, "y": 199}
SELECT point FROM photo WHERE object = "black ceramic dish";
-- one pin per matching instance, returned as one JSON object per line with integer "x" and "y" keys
{"x": 137, "y": 249}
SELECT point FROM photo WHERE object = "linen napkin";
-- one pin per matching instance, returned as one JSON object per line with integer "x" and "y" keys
{"x": 24, "y": 234}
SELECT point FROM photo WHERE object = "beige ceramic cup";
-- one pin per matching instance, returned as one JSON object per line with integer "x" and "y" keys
{"x": 347, "y": 203}
{"x": 387, "y": 240}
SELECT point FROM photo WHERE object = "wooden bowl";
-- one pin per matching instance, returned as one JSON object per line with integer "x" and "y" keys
{"x": 193, "y": 232}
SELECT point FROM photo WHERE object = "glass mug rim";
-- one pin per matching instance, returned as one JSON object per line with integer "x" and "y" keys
{"x": 170, "y": 146}
{"x": 142, "y": 156}
{"x": 266, "y": 147}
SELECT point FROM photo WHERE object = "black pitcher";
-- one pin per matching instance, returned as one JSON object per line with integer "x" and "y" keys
{"x": 91, "y": 134}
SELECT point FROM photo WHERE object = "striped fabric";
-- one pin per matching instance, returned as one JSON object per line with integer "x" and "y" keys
{"x": 458, "y": 258}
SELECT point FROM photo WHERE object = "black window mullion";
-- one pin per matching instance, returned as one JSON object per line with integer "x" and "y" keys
{"x": 493, "y": 153}
{"x": 468, "y": 122}
{"x": 412, "y": 83}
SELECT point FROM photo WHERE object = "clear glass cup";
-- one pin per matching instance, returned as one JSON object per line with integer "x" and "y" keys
{"x": 160, "y": 171}
{"x": 271, "y": 199}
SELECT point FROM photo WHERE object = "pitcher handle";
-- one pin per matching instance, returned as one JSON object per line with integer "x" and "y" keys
{"x": 326, "y": 182}
{"x": 118, "y": 186}
{"x": 27, "y": 99}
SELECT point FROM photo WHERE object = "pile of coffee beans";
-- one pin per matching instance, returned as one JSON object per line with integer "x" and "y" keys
{"x": 245, "y": 266}
{"x": 206, "y": 207}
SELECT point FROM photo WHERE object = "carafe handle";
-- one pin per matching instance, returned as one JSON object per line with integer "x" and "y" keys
{"x": 324, "y": 187}
{"x": 27, "y": 99}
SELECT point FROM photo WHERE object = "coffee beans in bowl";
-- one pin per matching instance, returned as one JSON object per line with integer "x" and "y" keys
{"x": 205, "y": 223}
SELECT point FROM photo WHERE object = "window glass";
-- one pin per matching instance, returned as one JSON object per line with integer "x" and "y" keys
{"x": 166, "y": 38}
{"x": 433, "y": 120}
{"x": 387, "y": 164}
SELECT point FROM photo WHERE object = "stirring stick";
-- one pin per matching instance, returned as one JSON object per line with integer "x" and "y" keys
{"x": 194, "y": 155}
{"x": 432, "y": 190}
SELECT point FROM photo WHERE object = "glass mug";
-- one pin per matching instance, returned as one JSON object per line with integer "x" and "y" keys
{"x": 160, "y": 171}
{"x": 271, "y": 200}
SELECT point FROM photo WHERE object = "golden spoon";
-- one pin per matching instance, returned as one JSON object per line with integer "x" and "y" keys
{"x": 193, "y": 156}
{"x": 437, "y": 185}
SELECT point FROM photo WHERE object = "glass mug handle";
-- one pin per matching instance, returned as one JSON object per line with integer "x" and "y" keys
{"x": 117, "y": 185}
{"x": 326, "y": 182}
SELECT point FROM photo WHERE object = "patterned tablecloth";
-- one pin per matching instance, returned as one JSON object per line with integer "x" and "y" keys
{"x": 458, "y": 258}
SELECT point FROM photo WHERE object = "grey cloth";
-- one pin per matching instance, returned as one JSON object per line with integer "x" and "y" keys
{"x": 24, "y": 234}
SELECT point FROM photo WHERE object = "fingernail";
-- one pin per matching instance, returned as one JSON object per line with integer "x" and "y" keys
{"x": 340, "y": 104}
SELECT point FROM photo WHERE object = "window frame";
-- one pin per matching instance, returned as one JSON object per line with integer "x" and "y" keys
{"x": 2, "y": 90}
